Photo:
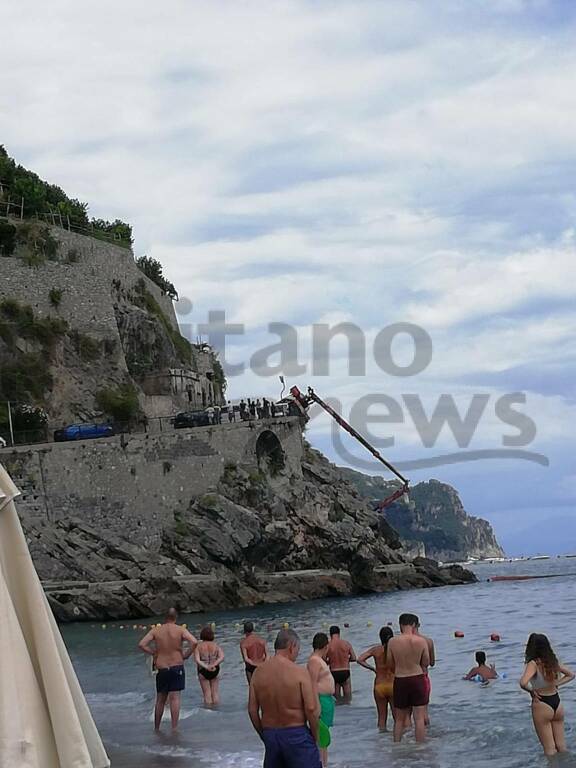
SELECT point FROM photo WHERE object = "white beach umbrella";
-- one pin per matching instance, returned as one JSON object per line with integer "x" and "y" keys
{"x": 44, "y": 719}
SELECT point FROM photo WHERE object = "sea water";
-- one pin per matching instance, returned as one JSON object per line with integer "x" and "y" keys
{"x": 471, "y": 725}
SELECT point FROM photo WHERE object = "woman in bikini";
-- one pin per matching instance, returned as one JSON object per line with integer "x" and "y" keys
{"x": 208, "y": 657}
{"x": 542, "y": 677}
{"x": 384, "y": 681}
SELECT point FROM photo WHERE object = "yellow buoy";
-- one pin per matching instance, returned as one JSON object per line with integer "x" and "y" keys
{"x": 184, "y": 626}
{"x": 285, "y": 625}
{"x": 103, "y": 626}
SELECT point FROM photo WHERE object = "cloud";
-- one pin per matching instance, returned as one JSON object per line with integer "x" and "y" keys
{"x": 304, "y": 162}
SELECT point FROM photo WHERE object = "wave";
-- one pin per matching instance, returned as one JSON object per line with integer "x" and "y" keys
{"x": 128, "y": 699}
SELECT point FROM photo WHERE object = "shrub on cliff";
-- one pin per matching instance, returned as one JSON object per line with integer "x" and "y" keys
{"x": 120, "y": 403}
{"x": 144, "y": 299}
{"x": 25, "y": 377}
{"x": 51, "y": 202}
{"x": 20, "y": 317}
{"x": 7, "y": 238}
{"x": 153, "y": 270}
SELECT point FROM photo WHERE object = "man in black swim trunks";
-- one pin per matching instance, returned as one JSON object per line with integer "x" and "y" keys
{"x": 165, "y": 644}
{"x": 340, "y": 654}
{"x": 253, "y": 650}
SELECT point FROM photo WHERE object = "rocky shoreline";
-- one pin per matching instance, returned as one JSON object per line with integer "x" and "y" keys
{"x": 134, "y": 599}
{"x": 257, "y": 539}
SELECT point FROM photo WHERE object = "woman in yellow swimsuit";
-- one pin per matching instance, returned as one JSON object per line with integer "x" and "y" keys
{"x": 384, "y": 681}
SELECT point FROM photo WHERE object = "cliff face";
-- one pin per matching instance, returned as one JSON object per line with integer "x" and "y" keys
{"x": 79, "y": 318}
{"x": 262, "y": 533}
{"x": 433, "y": 520}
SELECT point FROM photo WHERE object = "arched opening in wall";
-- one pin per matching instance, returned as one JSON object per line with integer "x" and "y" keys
{"x": 269, "y": 453}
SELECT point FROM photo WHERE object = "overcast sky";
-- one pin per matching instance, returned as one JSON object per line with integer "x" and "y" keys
{"x": 334, "y": 161}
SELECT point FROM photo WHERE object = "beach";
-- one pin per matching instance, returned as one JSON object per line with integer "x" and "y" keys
{"x": 471, "y": 725}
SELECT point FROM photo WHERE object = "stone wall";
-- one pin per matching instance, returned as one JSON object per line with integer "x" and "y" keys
{"x": 135, "y": 486}
{"x": 87, "y": 303}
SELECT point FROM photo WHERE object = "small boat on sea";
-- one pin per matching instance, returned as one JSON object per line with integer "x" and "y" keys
{"x": 540, "y": 557}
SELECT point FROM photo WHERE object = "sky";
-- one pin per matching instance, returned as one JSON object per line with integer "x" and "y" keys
{"x": 403, "y": 167}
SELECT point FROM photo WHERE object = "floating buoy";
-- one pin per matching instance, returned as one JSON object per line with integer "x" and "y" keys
{"x": 122, "y": 626}
{"x": 285, "y": 625}
{"x": 458, "y": 633}
{"x": 134, "y": 626}
{"x": 495, "y": 637}
{"x": 213, "y": 626}
{"x": 237, "y": 625}
{"x": 369, "y": 624}
{"x": 184, "y": 626}
{"x": 103, "y": 626}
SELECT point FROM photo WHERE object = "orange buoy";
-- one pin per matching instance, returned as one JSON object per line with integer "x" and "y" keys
{"x": 458, "y": 633}
{"x": 495, "y": 637}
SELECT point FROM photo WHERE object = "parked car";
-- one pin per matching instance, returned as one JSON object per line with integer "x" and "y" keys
{"x": 83, "y": 432}
{"x": 191, "y": 419}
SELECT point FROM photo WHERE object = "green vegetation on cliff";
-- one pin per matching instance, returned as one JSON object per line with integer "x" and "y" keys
{"x": 432, "y": 517}
{"x": 49, "y": 201}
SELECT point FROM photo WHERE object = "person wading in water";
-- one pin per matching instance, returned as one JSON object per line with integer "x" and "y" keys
{"x": 542, "y": 677}
{"x": 166, "y": 645}
{"x": 384, "y": 681}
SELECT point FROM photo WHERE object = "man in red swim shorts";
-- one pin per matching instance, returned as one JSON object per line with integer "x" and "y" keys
{"x": 409, "y": 655}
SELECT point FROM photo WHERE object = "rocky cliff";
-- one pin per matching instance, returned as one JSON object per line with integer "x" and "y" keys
{"x": 261, "y": 535}
{"x": 86, "y": 336}
{"x": 432, "y": 520}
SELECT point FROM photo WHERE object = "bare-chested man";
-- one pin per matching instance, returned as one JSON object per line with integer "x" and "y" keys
{"x": 340, "y": 654}
{"x": 409, "y": 656}
{"x": 323, "y": 683}
{"x": 432, "y": 654}
{"x": 166, "y": 645}
{"x": 284, "y": 709}
{"x": 253, "y": 650}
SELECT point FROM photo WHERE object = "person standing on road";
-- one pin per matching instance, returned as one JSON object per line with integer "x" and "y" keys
{"x": 166, "y": 645}
{"x": 283, "y": 708}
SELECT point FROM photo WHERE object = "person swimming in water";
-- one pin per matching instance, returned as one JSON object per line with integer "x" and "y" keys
{"x": 323, "y": 683}
{"x": 482, "y": 669}
{"x": 208, "y": 657}
{"x": 384, "y": 680}
{"x": 542, "y": 677}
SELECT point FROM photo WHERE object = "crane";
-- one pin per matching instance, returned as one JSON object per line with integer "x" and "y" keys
{"x": 305, "y": 400}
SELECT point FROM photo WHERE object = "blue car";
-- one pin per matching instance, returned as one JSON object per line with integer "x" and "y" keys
{"x": 83, "y": 432}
